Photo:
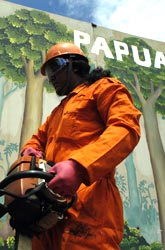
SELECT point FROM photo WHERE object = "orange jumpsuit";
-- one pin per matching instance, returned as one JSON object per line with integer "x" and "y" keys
{"x": 97, "y": 126}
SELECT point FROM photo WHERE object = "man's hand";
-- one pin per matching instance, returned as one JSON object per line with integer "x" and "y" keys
{"x": 32, "y": 151}
{"x": 68, "y": 176}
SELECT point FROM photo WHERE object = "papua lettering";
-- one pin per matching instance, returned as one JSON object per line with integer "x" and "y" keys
{"x": 121, "y": 49}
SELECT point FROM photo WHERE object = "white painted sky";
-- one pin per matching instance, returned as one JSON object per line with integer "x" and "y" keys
{"x": 145, "y": 18}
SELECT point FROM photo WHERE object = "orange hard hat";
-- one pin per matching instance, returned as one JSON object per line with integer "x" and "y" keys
{"x": 64, "y": 48}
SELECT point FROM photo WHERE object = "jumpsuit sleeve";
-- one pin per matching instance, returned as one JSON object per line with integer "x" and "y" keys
{"x": 38, "y": 140}
{"x": 121, "y": 134}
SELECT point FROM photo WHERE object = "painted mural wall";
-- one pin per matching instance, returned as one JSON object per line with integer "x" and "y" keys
{"x": 26, "y": 99}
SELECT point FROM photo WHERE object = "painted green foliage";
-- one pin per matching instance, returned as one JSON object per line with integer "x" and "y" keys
{"x": 142, "y": 211}
{"x": 8, "y": 153}
{"x": 133, "y": 240}
{"x": 23, "y": 47}
{"x": 27, "y": 34}
{"x": 151, "y": 78}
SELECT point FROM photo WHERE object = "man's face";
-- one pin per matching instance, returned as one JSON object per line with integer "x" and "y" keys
{"x": 57, "y": 73}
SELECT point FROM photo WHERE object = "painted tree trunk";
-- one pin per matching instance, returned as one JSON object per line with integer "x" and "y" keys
{"x": 134, "y": 199}
{"x": 33, "y": 108}
{"x": 157, "y": 157}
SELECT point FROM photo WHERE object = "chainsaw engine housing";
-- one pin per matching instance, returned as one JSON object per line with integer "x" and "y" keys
{"x": 32, "y": 206}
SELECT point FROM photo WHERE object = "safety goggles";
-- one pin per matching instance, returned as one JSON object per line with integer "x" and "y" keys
{"x": 54, "y": 65}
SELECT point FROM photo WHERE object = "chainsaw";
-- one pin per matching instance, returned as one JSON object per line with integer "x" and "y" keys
{"x": 32, "y": 206}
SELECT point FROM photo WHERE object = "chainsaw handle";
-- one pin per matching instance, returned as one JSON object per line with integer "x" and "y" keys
{"x": 25, "y": 174}
{"x": 31, "y": 174}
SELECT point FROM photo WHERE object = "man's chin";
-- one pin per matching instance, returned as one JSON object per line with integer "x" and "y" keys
{"x": 60, "y": 92}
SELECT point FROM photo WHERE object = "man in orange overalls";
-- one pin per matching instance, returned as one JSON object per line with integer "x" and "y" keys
{"x": 92, "y": 130}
